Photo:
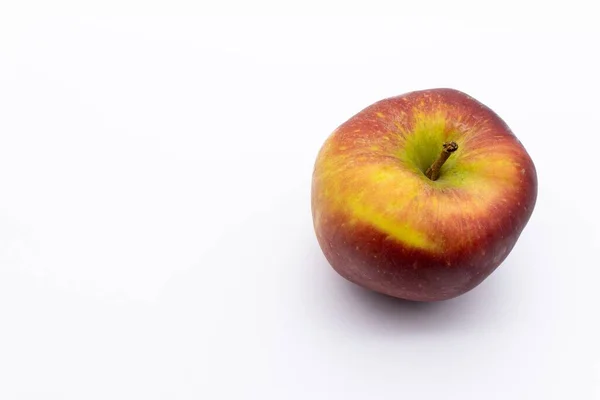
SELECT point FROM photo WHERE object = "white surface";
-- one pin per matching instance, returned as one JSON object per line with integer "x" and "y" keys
{"x": 155, "y": 232}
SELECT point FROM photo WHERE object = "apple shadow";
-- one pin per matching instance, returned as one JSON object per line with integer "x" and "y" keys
{"x": 345, "y": 304}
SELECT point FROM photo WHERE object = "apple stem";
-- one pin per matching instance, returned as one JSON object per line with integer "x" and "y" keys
{"x": 433, "y": 172}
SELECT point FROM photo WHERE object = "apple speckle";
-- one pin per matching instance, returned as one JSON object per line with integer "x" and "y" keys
{"x": 380, "y": 115}
{"x": 522, "y": 171}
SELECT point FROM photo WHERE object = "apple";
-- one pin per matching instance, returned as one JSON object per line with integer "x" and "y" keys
{"x": 421, "y": 196}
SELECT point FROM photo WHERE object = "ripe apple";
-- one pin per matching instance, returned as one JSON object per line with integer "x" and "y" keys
{"x": 421, "y": 196}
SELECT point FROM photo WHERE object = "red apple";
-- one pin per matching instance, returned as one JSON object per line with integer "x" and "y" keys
{"x": 421, "y": 196}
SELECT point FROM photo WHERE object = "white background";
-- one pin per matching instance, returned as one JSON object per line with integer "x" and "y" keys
{"x": 156, "y": 240}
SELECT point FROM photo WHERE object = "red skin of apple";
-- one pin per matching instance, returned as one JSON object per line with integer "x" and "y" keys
{"x": 455, "y": 236}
